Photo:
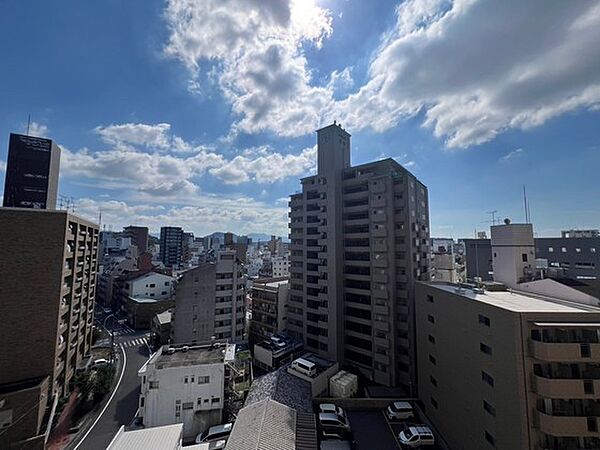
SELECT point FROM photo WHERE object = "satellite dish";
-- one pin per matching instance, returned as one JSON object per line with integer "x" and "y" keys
{"x": 507, "y": 221}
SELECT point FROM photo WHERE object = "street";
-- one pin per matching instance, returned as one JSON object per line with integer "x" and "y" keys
{"x": 122, "y": 407}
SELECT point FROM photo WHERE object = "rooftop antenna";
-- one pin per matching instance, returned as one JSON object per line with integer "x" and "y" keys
{"x": 493, "y": 216}
{"x": 100, "y": 216}
{"x": 525, "y": 205}
{"x": 28, "y": 123}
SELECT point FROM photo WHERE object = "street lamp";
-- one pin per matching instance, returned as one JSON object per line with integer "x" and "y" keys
{"x": 112, "y": 334}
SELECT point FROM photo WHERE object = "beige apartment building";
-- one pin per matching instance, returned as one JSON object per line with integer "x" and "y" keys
{"x": 505, "y": 369}
{"x": 359, "y": 240}
{"x": 269, "y": 308}
{"x": 209, "y": 301}
{"x": 47, "y": 286}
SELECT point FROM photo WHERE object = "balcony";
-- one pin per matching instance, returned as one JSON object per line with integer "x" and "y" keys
{"x": 564, "y": 388}
{"x": 551, "y": 351}
{"x": 567, "y": 426}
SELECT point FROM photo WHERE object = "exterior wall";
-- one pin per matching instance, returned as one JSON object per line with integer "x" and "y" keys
{"x": 139, "y": 237}
{"x": 269, "y": 310}
{"x": 52, "y": 312}
{"x": 359, "y": 238}
{"x": 478, "y": 258}
{"x": 513, "y": 253}
{"x": 454, "y": 382}
{"x": 171, "y": 246}
{"x": 209, "y": 301}
{"x": 31, "y": 173}
{"x": 543, "y": 367}
{"x": 140, "y": 314}
{"x": 152, "y": 285}
{"x": 280, "y": 266}
{"x": 22, "y": 414}
{"x": 160, "y": 405}
{"x": 580, "y": 258}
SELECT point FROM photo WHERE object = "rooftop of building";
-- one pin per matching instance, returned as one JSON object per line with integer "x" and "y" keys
{"x": 266, "y": 424}
{"x": 282, "y": 387}
{"x": 167, "y": 436}
{"x": 22, "y": 385}
{"x": 589, "y": 287}
{"x": 279, "y": 343}
{"x": 181, "y": 356}
{"x": 513, "y": 300}
{"x": 70, "y": 216}
{"x": 164, "y": 317}
{"x": 270, "y": 282}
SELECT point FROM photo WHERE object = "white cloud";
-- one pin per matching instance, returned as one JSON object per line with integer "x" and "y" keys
{"x": 154, "y": 136}
{"x": 36, "y": 129}
{"x": 2, "y": 165}
{"x": 474, "y": 68}
{"x": 479, "y": 68}
{"x": 175, "y": 175}
{"x": 512, "y": 154}
{"x": 207, "y": 213}
{"x": 258, "y": 46}
{"x": 263, "y": 166}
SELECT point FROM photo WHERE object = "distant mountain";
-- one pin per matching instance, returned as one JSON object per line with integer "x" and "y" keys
{"x": 262, "y": 237}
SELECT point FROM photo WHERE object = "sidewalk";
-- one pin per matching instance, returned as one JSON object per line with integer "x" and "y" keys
{"x": 60, "y": 437}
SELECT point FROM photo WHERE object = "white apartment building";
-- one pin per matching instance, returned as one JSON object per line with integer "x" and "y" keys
{"x": 280, "y": 266}
{"x": 185, "y": 385}
{"x": 150, "y": 285}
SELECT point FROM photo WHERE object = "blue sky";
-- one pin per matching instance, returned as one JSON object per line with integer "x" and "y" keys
{"x": 202, "y": 114}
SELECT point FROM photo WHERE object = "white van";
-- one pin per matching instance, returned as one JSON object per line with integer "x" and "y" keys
{"x": 305, "y": 367}
{"x": 399, "y": 411}
{"x": 414, "y": 437}
{"x": 215, "y": 433}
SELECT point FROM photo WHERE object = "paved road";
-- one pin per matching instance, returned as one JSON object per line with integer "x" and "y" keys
{"x": 371, "y": 431}
{"x": 123, "y": 406}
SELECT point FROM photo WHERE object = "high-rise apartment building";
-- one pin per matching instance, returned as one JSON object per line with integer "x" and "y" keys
{"x": 31, "y": 173}
{"x": 359, "y": 241}
{"x": 171, "y": 246}
{"x": 209, "y": 301}
{"x": 508, "y": 370}
{"x": 47, "y": 282}
{"x": 138, "y": 236}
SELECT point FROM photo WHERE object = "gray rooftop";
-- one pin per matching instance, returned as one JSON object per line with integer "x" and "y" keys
{"x": 155, "y": 438}
{"x": 283, "y": 388}
{"x": 265, "y": 425}
{"x": 194, "y": 355}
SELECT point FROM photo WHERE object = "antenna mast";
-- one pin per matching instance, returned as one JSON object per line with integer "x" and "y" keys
{"x": 525, "y": 205}
{"x": 28, "y": 123}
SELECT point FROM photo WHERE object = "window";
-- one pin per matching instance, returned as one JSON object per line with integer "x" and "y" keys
{"x": 204, "y": 380}
{"x": 490, "y": 439}
{"x": 141, "y": 402}
{"x": 434, "y": 402}
{"x": 487, "y": 378}
{"x": 433, "y": 380}
{"x": 430, "y": 318}
{"x": 199, "y": 401}
{"x": 431, "y": 339}
{"x": 489, "y": 408}
{"x": 484, "y": 320}
{"x": 432, "y": 360}
{"x": 524, "y": 257}
{"x": 153, "y": 385}
{"x": 485, "y": 348}
{"x": 152, "y": 285}
{"x": 185, "y": 380}
{"x": 577, "y": 250}
{"x": 550, "y": 249}
{"x": 563, "y": 249}
{"x": 188, "y": 405}
{"x": 430, "y": 298}
{"x": 215, "y": 400}
{"x": 592, "y": 249}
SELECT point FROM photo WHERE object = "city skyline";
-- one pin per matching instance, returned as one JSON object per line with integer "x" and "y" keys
{"x": 163, "y": 121}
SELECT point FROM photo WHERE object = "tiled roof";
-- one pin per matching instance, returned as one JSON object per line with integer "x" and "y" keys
{"x": 265, "y": 425}
{"x": 284, "y": 388}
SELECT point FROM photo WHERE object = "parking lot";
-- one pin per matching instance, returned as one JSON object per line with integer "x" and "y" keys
{"x": 373, "y": 430}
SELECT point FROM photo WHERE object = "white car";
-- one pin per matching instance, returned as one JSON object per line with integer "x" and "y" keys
{"x": 218, "y": 432}
{"x": 332, "y": 409}
{"x": 399, "y": 411}
{"x": 99, "y": 363}
{"x": 415, "y": 437}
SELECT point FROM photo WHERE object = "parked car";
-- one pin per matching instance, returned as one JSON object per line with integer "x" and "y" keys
{"x": 330, "y": 421}
{"x": 331, "y": 408}
{"x": 414, "y": 437}
{"x": 218, "y": 432}
{"x": 98, "y": 363}
{"x": 399, "y": 411}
